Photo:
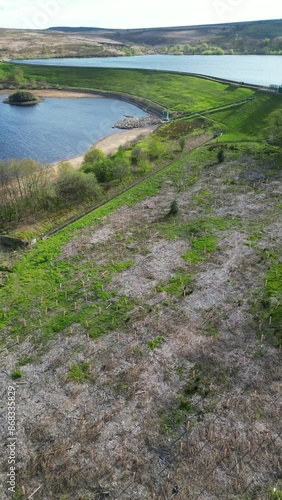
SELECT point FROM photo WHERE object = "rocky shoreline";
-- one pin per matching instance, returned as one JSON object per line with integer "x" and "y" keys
{"x": 130, "y": 122}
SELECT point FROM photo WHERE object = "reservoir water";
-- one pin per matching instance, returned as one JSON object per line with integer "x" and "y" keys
{"x": 58, "y": 128}
{"x": 258, "y": 70}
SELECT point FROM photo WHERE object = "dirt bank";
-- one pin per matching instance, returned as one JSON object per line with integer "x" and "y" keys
{"x": 130, "y": 122}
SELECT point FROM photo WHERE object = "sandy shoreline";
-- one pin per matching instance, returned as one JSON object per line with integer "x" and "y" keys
{"x": 111, "y": 143}
{"x": 56, "y": 93}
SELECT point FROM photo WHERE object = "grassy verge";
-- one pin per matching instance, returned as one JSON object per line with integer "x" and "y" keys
{"x": 249, "y": 121}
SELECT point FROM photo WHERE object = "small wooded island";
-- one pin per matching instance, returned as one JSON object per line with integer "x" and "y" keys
{"x": 23, "y": 98}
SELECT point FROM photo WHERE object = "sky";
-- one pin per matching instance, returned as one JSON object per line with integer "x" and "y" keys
{"x": 40, "y": 14}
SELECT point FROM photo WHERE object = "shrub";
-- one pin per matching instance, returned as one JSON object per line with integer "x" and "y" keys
{"x": 140, "y": 158}
{"x": 94, "y": 155}
{"x": 79, "y": 372}
{"x": 120, "y": 168}
{"x": 156, "y": 148}
{"x": 174, "y": 209}
{"x": 136, "y": 154}
{"x": 16, "y": 374}
{"x": 22, "y": 96}
{"x": 101, "y": 169}
{"x": 182, "y": 143}
{"x": 220, "y": 156}
{"x": 144, "y": 166}
{"x": 73, "y": 185}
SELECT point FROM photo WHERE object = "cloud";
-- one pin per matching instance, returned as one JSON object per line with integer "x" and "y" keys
{"x": 8, "y": 5}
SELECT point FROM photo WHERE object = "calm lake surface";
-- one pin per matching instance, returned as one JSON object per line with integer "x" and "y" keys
{"x": 259, "y": 70}
{"x": 58, "y": 128}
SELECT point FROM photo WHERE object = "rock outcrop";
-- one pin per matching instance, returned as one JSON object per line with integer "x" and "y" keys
{"x": 130, "y": 122}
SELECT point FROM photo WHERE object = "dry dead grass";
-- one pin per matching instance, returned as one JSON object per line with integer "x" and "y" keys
{"x": 36, "y": 44}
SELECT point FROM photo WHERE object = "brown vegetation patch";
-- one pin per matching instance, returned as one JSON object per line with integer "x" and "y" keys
{"x": 161, "y": 262}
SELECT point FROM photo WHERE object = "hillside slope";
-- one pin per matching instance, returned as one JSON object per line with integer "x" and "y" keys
{"x": 257, "y": 37}
{"x": 185, "y": 34}
{"x": 144, "y": 347}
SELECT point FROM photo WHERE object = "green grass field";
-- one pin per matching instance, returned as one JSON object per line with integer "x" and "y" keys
{"x": 248, "y": 121}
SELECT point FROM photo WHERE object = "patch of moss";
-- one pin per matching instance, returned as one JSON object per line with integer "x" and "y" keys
{"x": 79, "y": 372}
{"x": 200, "y": 248}
{"x": 272, "y": 303}
{"x": 16, "y": 374}
{"x": 156, "y": 342}
{"x": 119, "y": 267}
{"x": 177, "y": 285}
{"x": 198, "y": 227}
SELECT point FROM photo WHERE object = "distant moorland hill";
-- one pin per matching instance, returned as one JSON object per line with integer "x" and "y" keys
{"x": 184, "y": 34}
{"x": 256, "y": 37}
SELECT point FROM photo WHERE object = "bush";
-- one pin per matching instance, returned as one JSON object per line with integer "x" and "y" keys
{"x": 156, "y": 148}
{"x": 74, "y": 186}
{"x": 144, "y": 165}
{"x": 101, "y": 170}
{"x": 182, "y": 143}
{"x": 174, "y": 209}
{"x": 136, "y": 154}
{"x": 120, "y": 168}
{"x": 94, "y": 155}
{"x": 117, "y": 167}
{"x": 220, "y": 156}
{"x": 24, "y": 189}
{"x": 22, "y": 96}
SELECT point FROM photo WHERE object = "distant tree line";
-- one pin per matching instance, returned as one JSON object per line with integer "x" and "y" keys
{"x": 237, "y": 45}
{"x": 189, "y": 49}
{"x": 28, "y": 189}
{"x": 13, "y": 78}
